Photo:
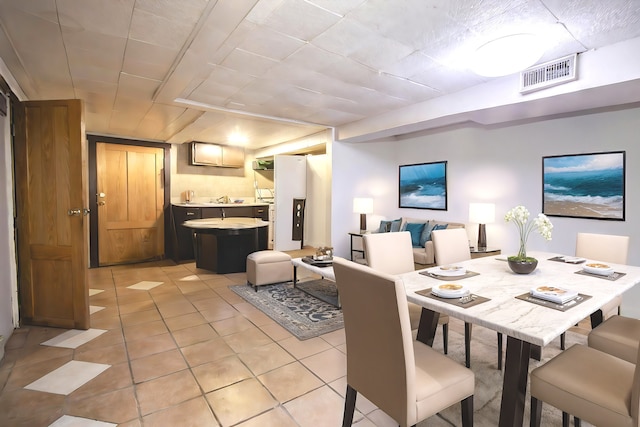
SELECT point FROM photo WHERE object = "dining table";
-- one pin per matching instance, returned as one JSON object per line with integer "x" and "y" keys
{"x": 501, "y": 300}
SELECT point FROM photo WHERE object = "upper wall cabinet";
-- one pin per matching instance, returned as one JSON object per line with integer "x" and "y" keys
{"x": 204, "y": 154}
{"x": 232, "y": 157}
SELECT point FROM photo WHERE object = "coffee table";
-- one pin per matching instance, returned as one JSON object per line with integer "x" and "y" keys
{"x": 324, "y": 272}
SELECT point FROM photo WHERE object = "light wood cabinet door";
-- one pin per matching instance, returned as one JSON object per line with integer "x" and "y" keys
{"x": 51, "y": 197}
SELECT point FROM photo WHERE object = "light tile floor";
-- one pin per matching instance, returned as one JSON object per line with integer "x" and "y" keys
{"x": 179, "y": 348}
{"x": 185, "y": 351}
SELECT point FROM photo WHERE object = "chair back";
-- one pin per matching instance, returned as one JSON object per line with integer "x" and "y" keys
{"x": 450, "y": 245}
{"x": 603, "y": 247}
{"x": 634, "y": 409}
{"x": 380, "y": 358}
{"x": 389, "y": 253}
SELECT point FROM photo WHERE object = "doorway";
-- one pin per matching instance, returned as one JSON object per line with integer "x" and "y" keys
{"x": 129, "y": 192}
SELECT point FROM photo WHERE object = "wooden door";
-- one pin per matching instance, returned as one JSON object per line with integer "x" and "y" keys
{"x": 51, "y": 182}
{"x": 130, "y": 203}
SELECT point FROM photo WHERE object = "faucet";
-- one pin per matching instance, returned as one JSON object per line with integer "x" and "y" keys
{"x": 222, "y": 199}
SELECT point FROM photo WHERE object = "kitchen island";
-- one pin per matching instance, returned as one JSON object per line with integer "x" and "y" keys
{"x": 222, "y": 244}
{"x": 181, "y": 237}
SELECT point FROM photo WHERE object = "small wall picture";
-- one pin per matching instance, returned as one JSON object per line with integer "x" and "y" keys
{"x": 423, "y": 186}
{"x": 584, "y": 185}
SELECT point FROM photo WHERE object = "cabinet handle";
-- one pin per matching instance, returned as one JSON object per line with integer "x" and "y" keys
{"x": 191, "y": 213}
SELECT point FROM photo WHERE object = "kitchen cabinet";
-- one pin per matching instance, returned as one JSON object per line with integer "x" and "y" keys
{"x": 205, "y": 154}
{"x": 232, "y": 157}
{"x": 183, "y": 236}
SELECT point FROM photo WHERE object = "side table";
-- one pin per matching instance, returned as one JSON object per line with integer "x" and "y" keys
{"x": 357, "y": 246}
{"x": 479, "y": 253}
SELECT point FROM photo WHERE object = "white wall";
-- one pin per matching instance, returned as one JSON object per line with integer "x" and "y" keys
{"x": 502, "y": 165}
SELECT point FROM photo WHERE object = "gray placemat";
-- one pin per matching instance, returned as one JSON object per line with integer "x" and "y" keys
{"x": 455, "y": 301}
{"x": 448, "y": 278}
{"x": 562, "y": 307}
{"x": 615, "y": 276}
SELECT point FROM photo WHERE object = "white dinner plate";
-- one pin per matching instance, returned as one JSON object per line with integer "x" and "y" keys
{"x": 449, "y": 271}
{"x": 598, "y": 268}
{"x": 450, "y": 290}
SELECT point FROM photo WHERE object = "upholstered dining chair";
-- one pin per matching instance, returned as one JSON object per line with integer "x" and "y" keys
{"x": 392, "y": 253}
{"x": 618, "y": 335}
{"x": 605, "y": 248}
{"x": 405, "y": 378}
{"x": 590, "y": 385}
{"x": 451, "y": 246}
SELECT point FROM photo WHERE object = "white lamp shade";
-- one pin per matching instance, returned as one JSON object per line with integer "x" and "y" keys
{"x": 363, "y": 205}
{"x": 482, "y": 213}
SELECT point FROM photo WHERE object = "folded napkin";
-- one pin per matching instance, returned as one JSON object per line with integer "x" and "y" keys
{"x": 554, "y": 294}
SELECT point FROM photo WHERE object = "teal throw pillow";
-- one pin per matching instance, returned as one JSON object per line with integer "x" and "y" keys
{"x": 416, "y": 231}
{"x": 426, "y": 233}
{"x": 386, "y": 226}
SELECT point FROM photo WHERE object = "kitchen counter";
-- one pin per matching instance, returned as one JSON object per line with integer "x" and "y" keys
{"x": 222, "y": 244}
{"x": 225, "y": 223}
{"x": 217, "y": 205}
{"x": 182, "y": 236}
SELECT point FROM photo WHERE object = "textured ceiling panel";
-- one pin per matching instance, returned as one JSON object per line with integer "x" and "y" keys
{"x": 177, "y": 70}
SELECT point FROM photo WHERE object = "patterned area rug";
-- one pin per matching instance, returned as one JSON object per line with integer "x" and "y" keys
{"x": 304, "y": 315}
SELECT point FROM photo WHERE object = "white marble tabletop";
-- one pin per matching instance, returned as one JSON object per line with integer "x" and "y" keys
{"x": 520, "y": 319}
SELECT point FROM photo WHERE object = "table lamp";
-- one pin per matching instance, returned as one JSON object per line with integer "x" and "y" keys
{"x": 363, "y": 206}
{"x": 482, "y": 213}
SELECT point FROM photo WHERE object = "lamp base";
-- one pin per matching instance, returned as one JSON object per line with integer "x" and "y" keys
{"x": 363, "y": 223}
{"x": 482, "y": 237}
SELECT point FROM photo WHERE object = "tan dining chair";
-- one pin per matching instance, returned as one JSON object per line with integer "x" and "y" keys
{"x": 605, "y": 248}
{"x": 618, "y": 336}
{"x": 614, "y": 249}
{"x": 392, "y": 253}
{"x": 405, "y": 378}
{"x": 591, "y": 385}
{"x": 452, "y": 246}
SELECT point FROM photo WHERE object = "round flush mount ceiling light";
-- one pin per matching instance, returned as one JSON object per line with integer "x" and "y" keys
{"x": 507, "y": 55}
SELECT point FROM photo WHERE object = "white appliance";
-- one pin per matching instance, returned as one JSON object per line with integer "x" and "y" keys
{"x": 290, "y": 180}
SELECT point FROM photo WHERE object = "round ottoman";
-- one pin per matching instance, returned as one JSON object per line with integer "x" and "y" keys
{"x": 267, "y": 267}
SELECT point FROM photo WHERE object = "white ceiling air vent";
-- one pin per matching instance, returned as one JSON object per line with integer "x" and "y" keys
{"x": 549, "y": 74}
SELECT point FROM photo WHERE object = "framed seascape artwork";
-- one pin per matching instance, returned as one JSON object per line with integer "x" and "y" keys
{"x": 423, "y": 186}
{"x": 584, "y": 185}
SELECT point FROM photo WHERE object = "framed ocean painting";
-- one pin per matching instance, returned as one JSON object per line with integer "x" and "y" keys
{"x": 584, "y": 185}
{"x": 423, "y": 186}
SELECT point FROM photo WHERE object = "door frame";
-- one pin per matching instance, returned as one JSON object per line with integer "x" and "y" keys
{"x": 93, "y": 190}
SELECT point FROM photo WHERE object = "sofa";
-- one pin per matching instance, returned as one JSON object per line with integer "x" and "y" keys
{"x": 423, "y": 252}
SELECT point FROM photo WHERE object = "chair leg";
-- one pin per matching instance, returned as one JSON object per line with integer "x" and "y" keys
{"x": 562, "y": 341}
{"x": 445, "y": 337}
{"x": 467, "y": 411}
{"x": 577, "y": 422}
{"x": 499, "y": 351}
{"x": 566, "y": 419}
{"x": 349, "y": 406}
{"x": 536, "y": 412}
{"x": 467, "y": 344}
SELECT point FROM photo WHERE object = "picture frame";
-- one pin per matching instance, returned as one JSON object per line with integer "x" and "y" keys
{"x": 423, "y": 186}
{"x": 590, "y": 185}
